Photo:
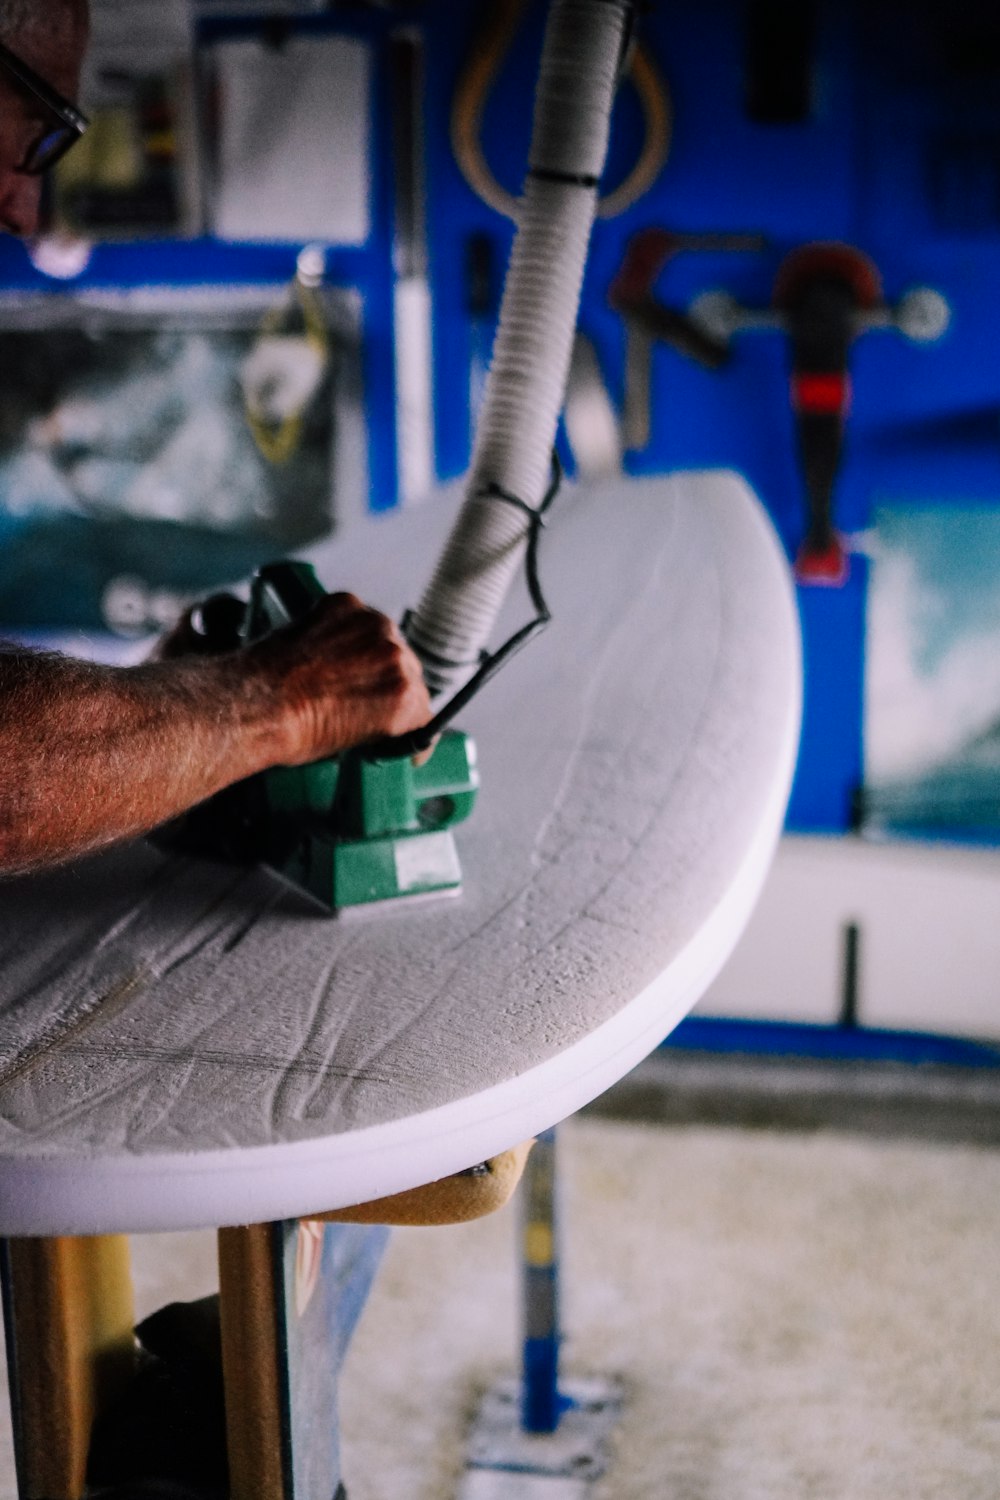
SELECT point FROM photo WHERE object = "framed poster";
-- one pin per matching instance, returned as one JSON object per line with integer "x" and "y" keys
{"x": 932, "y": 716}
{"x": 157, "y": 445}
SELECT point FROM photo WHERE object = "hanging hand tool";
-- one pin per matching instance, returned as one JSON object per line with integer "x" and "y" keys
{"x": 648, "y": 318}
{"x": 479, "y": 78}
{"x": 290, "y": 356}
{"x": 820, "y": 290}
{"x": 825, "y": 296}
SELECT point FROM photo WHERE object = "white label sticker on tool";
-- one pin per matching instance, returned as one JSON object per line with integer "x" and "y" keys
{"x": 428, "y": 860}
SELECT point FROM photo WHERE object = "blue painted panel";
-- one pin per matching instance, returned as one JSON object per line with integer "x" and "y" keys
{"x": 828, "y": 1043}
{"x": 829, "y": 771}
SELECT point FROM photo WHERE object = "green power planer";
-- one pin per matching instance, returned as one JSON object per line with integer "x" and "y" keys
{"x": 356, "y": 828}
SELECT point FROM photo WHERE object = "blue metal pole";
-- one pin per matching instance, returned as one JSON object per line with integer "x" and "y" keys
{"x": 541, "y": 1404}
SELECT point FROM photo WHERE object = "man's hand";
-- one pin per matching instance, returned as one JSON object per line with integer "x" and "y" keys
{"x": 342, "y": 675}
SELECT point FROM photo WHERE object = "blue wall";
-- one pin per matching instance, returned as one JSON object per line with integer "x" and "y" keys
{"x": 894, "y": 158}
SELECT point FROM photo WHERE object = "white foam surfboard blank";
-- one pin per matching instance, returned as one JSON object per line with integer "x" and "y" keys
{"x": 185, "y": 1043}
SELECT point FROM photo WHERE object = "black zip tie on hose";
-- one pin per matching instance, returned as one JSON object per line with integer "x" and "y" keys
{"x": 418, "y": 740}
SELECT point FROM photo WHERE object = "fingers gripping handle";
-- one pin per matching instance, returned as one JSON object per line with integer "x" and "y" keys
{"x": 527, "y": 380}
{"x": 285, "y": 591}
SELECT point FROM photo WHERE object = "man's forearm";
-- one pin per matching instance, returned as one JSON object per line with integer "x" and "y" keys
{"x": 92, "y": 754}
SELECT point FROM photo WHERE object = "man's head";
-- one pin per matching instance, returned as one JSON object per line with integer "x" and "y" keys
{"x": 48, "y": 37}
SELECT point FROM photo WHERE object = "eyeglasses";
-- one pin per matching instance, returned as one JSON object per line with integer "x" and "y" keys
{"x": 69, "y": 122}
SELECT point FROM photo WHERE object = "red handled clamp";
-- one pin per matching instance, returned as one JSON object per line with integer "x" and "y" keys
{"x": 648, "y": 318}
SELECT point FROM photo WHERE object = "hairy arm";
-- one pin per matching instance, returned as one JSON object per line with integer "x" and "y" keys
{"x": 92, "y": 754}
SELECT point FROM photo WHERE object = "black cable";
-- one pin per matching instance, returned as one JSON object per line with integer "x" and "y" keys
{"x": 417, "y": 740}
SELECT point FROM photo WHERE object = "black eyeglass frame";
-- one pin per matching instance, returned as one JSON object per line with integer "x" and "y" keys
{"x": 52, "y": 145}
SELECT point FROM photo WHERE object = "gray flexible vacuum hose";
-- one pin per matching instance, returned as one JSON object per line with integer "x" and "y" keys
{"x": 526, "y": 385}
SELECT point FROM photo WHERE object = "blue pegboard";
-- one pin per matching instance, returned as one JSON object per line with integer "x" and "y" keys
{"x": 890, "y": 159}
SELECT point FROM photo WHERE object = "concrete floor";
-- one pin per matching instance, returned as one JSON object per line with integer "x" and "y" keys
{"x": 796, "y": 1317}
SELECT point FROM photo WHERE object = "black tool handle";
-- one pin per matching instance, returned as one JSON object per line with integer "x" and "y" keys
{"x": 281, "y": 592}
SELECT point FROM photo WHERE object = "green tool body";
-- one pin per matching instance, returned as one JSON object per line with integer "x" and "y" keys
{"x": 352, "y": 829}
{"x": 372, "y": 830}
